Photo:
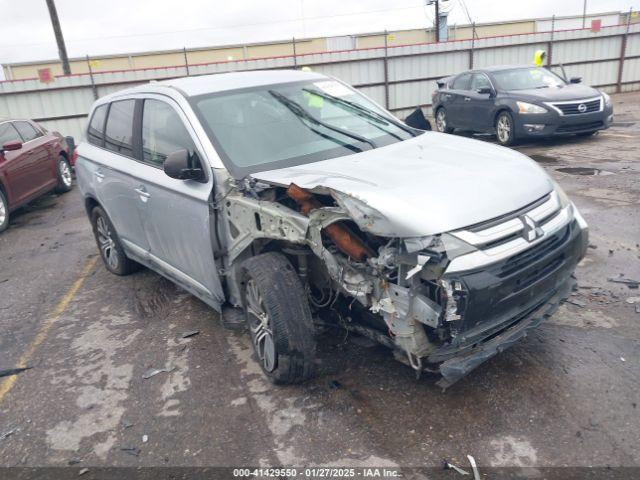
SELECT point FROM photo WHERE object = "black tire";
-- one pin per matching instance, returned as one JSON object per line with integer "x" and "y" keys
{"x": 65, "y": 179}
{"x": 113, "y": 256}
{"x": 4, "y": 212}
{"x": 272, "y": 286}
{"x": 442, "y": 127}
{"x": 505, "y": 138}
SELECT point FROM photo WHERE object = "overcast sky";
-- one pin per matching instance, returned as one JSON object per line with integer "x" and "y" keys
{"x": 115, "y": 26}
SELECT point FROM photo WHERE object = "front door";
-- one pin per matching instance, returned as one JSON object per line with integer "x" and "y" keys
{"x": 40, "y": 162}
{"x": 15, "y": 165}
{"x": 176, "y": 213}
{"x": 457, "y": 101}
{"x": 479, "y": 107}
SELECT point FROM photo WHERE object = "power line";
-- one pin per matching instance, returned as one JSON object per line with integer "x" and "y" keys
{"x": 151, "y": 34}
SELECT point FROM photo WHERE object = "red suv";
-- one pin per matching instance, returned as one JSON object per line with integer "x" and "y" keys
{"x": 33, "y": 161}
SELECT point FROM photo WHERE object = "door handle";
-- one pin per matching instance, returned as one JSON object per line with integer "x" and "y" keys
{"x": 99, "y": 175}
{"x": 144, "y": 195}
{"x": 467, "y": 99}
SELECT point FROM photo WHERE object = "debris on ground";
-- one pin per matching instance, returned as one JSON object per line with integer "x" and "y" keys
{"x": 474, "y": 467}
{"x": 8, "y": 433}
{"x": 622, "y": 359}
{"x": 152, "y": 372}
{"x": 190, "y": 333}
{"x": 126, "y": 424}
{"x": 451, "y": 466}
{"x": 131, "y": 451}
{"x": 633, "y": 300}
{"x": 83, "y": 471}
{"x": 73, "y": 462}
{"x": 13, "y": 371}
{"x": 576, "y": 302}
{"x": 145, "y": 438}
{"x": 627, "y": 281}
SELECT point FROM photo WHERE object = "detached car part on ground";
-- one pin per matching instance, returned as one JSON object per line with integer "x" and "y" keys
{"x": 519, "y": 102}
{"x": 292, "y": 197}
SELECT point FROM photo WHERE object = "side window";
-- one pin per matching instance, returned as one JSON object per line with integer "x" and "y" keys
{"x": 26, "y": 130}
{"x": 8, "y": 133}
{"x": 461, "y": 82}
{"x": 163, "y": 132}
{"x": 118, "y": 134}
{"x": 95, "y": 131}
{"x": 479, "y": 81}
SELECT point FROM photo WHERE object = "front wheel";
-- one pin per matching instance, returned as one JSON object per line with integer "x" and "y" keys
{"x": 442, "y": 122}
{"x": 505, "y": 132}
{"x": 279, "y": 319}
{"x": 4, "y": 212}
{"x": 64, "y": 175}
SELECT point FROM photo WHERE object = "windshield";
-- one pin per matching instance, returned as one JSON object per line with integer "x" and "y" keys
{"x": 277, "y": 126}
{"x": 527, "y": 78}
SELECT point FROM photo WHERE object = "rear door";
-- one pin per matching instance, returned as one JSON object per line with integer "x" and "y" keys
{"x": 115, "y": 183}
{"x": 455, "y": 101}
{"x": 15, "y": 166}
{"x": 176, "y": 213}
{"x": 41, "y": 173}
{"x": 478, "y": 109}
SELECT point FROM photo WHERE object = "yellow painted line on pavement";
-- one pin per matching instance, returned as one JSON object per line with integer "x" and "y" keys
{"x": 7, "y": 383}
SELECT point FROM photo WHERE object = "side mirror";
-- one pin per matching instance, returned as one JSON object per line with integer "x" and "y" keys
{"x": 485, "y": 91}
{"x": 575, "y": 80}
{"x": 12, "y": 145}
{"x": 183, "y": 166}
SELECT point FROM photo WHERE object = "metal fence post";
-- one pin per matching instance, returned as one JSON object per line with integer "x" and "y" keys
{"x": 94, "y": 89}
{"x": 386, "y": 72}
{"x": 295, "y": 60}
{"x": 550, "y": 43}
{"x": 623, "y": 49}
{"x": 186, "y": 60}
{"x": 473, "y": 41}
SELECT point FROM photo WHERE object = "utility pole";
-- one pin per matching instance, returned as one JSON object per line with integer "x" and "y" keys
{"x": 584, "y": 14}
{"x": 62, "y": 49}
{"x": 437, "y": 20}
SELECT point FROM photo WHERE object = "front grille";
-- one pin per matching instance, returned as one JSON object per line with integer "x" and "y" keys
{"x": 524, "y": 259}
{"x": 578, "y": 127}
{"x": 573, "y": 108}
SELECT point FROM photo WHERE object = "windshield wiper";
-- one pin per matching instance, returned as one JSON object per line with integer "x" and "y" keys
{"x": 300, "y": 112}
{"x": 373, "y": 115}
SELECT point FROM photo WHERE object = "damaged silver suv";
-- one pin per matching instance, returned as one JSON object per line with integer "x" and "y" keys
{"x": 293, "y": 199}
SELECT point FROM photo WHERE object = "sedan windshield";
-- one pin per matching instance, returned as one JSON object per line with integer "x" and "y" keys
{"x": 277, "y": 126}
{"x": 527, "y": 78}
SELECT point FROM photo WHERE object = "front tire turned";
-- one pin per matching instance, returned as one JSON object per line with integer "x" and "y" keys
{"x": 279, "y": 319}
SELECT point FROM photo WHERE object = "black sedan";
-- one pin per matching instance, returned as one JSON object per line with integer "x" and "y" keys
{"x": 517, "y": 102}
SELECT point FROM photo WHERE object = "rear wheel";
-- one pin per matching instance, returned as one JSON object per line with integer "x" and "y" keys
{"x": 4, "y": 212}
{"x": 279, "y": 319}
{"x": 505, "y": 129}
{"x": 442, "y": 124}
{"x": 109, "y": 245}
{"x": 64, "y": 175}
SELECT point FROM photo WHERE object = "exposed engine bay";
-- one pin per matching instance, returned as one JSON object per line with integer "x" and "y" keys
{"x": 395, "y": 291}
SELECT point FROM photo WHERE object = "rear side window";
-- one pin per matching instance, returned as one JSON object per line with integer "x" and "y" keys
{"x": 163, "y": 132}
{"x": 118, "y": 135}
{"x": 8, "y": 133}
{"x": 26, "y": 131}
{"x": 461, "y": 82}
{"x": 95, "y": 132}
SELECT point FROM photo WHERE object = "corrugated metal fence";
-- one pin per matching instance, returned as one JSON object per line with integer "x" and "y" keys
{"x": 399, "y": 77}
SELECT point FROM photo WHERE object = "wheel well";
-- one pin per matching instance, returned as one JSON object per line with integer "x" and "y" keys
{"x": 495, "y": 117}
{"x": 89, "y": 204}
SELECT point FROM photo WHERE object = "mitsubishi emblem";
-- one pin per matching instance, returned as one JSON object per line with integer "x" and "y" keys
{"x": 530, "y": 230}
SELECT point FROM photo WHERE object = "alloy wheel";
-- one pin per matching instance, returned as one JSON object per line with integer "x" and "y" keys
{"x": 503, "y": 129}
{"x": 441, "y": 120}
{"x": 261, "y": 327}
{"x": 65, "y": 173}
{"x": 3, "y": 211}
{"x": 107, "y": 245}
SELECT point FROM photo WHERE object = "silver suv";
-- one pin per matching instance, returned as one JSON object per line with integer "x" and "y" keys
{"x": 287, "y": 198}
